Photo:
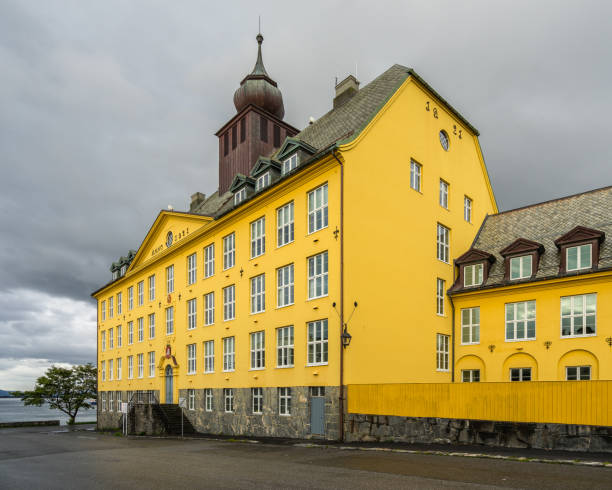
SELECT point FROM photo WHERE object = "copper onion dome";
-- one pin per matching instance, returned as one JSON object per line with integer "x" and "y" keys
{"x": 259, "y": 89}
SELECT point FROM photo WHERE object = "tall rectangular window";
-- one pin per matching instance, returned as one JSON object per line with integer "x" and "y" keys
{"x": 234, "y": 136}
{"x": 118, "y": 401}
{"x": 258, "y": 293}
{"x": 140, "y": 292}
{"x": 578, "y": 373}
{"x": 130, "y": 333}
{"x": 209, "y": 260}
{"x": 317, "y": 342}
{"x": 284, "y": 286}
{"x": 242, "y": 130}
{"x": 103, "y": 310}
{"x": 257, "y": 400}
{"x": 192, "y": 268}
{"x": 103, "y": 369}
{"x": 262, "y": 181}
{"x": 111, "y": 338}
{"x": 208, "y": 398}
{"x": 289, "y": 164}
{"x": 578, "y": 258}
{"x": 140, "y": 323}
{"x": 228, "y": 398}
{"x": 226, "y": 143}
{"x": 317, "y": 276}
{"x": 284, "y": 346}
{"x": 119, "y": 303}
{"x": 119, "y": 370}
{"x": 263, "y": 129}
{"x": 111, "y": 401}
{"x": 277, "y": 134}
{"x": 472, "y": 274}
{"x": 170, "y": 279}
{"x": 209, "y": 356}
{"x": 470, "y": 325}
{"x": 130, "y": 297}
{"x": 440, "y": 288}
{"x": 240, "y": 195}
{"x": 111, "y": 369}
{"x": 170, "y": 320}
{"x": 152, "y": 287}
{"x": 467, "y": 209}
{"x": 130, "y": 367}
{"x": 229, "y": 251}
{"x": 578, "y": 315}
{"x": 152, "y": 364}
{"x": 191, "y": 359}
{"x": 442, "y": 342}
{"x": 229, "y": 302}
{"x": 317, "y": 209}
{"x": 151, "y": 325}
{"x": 443, "y": 243}
{"x": 258, "y": 237}
{"x": 284, "y": 401}
{"x": 209, "y": 308}
{"x": 258, "y": 350}
{"x": 521, "y": 320}
{"x": 284, "y": 224}
{"x": 119, "y": 336}
{"x": 192, "y": 312}
{"x": 443, "y": 194}
{"x": 141, "y": 365}
{"x": 191, "y": 399}
{"x": 103, "y": 338}
{"x": 111, "y": 308}
{"x": 415, "y": 175}
{"x": 229, "y": 354}
{"x": 103, "y": 396}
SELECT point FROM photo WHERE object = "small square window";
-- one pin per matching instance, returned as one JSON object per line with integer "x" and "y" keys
{"x": 472, "y": 275}
{"x": 579, "y": 258}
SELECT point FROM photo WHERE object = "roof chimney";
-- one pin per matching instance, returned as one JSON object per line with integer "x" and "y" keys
{"x": 196, "y": 199}
{"x": 345, "y": 90}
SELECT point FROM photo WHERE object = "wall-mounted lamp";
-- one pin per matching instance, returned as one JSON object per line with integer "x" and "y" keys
{"x": 491, "y": 348}
{"x": 609, "y": 341}
{"x": 346, "y": 338}
{"x": 241, "y": 271}
{"x": 547, "y": 344}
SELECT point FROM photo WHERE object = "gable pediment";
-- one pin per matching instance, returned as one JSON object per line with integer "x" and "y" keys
{"x": 580, "y": 234}
{"x": 239, "y": 181}
{"x": 521, "y": 245}
{"x": 264, "y": 164}
{"x": 291, "y": 145}
{"x": 475, "y": 255}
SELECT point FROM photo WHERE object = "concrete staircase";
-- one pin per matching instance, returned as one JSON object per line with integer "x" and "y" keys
{"x": 170, "y": 415}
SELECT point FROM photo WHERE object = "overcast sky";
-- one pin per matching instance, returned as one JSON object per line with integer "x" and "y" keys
{"x": 108, "y": 111}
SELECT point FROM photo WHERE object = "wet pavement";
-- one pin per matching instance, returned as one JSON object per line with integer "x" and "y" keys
{"x": 58, "y": 458}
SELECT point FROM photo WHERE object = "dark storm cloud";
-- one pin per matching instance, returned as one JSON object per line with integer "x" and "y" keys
{"x": 109, "y": 111}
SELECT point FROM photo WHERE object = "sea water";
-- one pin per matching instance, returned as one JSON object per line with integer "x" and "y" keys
{"x": 13, "y": 410}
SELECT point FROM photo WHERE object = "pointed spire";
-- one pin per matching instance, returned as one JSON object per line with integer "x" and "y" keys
{"x": 259, "y": 66}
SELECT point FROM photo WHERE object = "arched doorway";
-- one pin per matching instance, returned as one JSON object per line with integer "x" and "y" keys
{"x": 169, "y": 384}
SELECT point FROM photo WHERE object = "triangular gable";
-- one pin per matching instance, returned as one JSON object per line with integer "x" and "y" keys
{"x": 239, "y": 181}
{"x": 292, "y": 144}
{"x": 475, "y": 255}
{"x": 264, "y": 164}
{"x": 180, "y": 225}
{"x": 521, "y": 245}
{"x": 580, "y": 234}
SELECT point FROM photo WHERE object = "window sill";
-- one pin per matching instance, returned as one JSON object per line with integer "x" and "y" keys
{"x": 229, "y": 371}
{"x": 521, "y": 340}
{"x": 578, "y": 336}
{"x": 443, "y": 370}
{"x": 470, "y": 343}
{"x": 444, "y": 262}
{"x": 284, "y": 414}
{"x": 284, "y": 306}
{"x": 209, "y": 372}
{"x": 229, "y": 319}
{"x": 257, "y": 369}
{"x": 318, "y": 297}
{"x": 256, "y": 312}
{"x": 284, "y": 244}
{"x": 319, "y": 229}
{"x": 284, "y": 367}
{"x": 318, "y": 364}
{"x": 208, "y": 325}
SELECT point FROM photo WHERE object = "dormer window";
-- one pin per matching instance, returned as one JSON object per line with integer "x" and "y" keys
{"x": 289, "y": 164}
{"x": 240, "y": 196}
{"x": 472, "y": 275}
{"x": 123, "y": 270}
{"x": 521, "y": 259}
{"x": 579, "y": 249}
{"x": 521, "y": 267}
{"x": 115, "y": 274}
{"x": 262, "y": 181}
{"x": 578, "y": 258}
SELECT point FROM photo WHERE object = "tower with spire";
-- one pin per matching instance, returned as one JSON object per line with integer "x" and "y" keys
{"x": 257, "y": 129}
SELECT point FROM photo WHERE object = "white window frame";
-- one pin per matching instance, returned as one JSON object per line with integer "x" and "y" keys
{"x": 240, "y": 196}
{"x": 262, "y": 181}
{"x": 289, "y": 164}
{"x": 151, "y": 325}
{"x": 258, "y": 350}
{"x": 472, "y": 327}
{"x": 111, "y": 369}
{"x": 285, "y": 286}
{"x": 258, "y": 294}
{"x": 192, "y": 313}
{"x": 257, "y": 401}
{"x": 473, "y": 274}
{"x": 111, "y": 309}
{"x": 285, "y": 347}
{"x": 522, "y": 373}
{"x": 119, "y": 336}
{"x": 130, "y": 326}
{"x": 170, "y": 320}
{"x": 119, "y": 303}
{"x": 209, "y": 308}
{"x": 228, "y": 400}
{"x": 111, "y": 400}
{"x": 192, "y": 268}
{"x": 443, "y": 195}
{"x": 517, "y": 313}
{"x": 443, "y": 243}
{"x": 140, "y": 360}
{"x": 152, "y": 287}
{"x": 229, "y": 251}
{"x": 285, "y": 229}
{"x": 318, "y": 270}
{"x": 208, "y": 399}
{"x": 140, "y": 293}
{"x": 467, "y": 209}
{"x": 471, "y": 375}
{"x": 284, "y": 401}
{"x": 118, "y": 366}
{"x": 415, "y": 175}
{"x": 170, "y": 279}
{"x": 317, "y": 343}
{"x": 442, "y": 352}
{"x": 318, "y": 212}
{"x": 131, "y": 298}
{"x": 103, "y": 340}
{"x": 209, "y": 356}
{"x": 229, "y": 303}
{"x": 140, "y": 328}
{"x": 209, "y": 260}
{"x": 440, "y": 292}
{"x": 151, "y": 364}
{"x": 579, "y": 373}
{"x": 118, "y": 401}
{"x": 130, "y": 367}
{"x": 111, "y": 338}
{"x": 579, "y": 265}
{"x": 103, "y": 369}
{"x": 229, "y": 354}
{"x": 258, "y": 237}
{"x": 524, "y": 270}
{"x": 103, "y": 397}
{"x": 190, "y": 399}
{"x": 103, "y": 310}
{"x": 192, "y": 359}
{"x": 583, "y": 316}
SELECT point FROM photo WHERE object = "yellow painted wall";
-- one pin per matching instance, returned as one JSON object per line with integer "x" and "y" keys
{"x": 390, "y": 252}
{"x": 547, "y": 364}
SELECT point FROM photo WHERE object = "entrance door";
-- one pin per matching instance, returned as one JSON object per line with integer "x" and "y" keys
{"x": 317, "y": 410}
{"x": 169, "y": 387}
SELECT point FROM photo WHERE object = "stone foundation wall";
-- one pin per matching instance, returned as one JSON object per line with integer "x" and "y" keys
{"x": 112, "y": 419}
{"x": 381, "y": 428}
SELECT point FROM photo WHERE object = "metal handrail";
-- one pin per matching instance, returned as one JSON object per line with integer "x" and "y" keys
{"x": 140, "y": 397}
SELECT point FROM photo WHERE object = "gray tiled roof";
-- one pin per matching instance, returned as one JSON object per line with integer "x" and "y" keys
{"x": 544, "y": 223}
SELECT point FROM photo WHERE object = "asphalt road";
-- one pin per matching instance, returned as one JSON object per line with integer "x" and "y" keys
{"x": 35, "y": 458}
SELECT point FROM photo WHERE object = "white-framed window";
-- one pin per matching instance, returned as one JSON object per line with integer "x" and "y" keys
{"x": 442, "y": 342}
{"x": 111, "y": 309}
{"x": 191, "y": 399}
{"x": 229, "y": 251}
{"x": 140, "y": 293}
{"x": 317, "y": 342}
{"x": 521, "y": 320}
{"x": 192, "y": 314}
{"x": 443, "y": 243}
{"x": 140, "y": 365}
{"x": 130, "y": 326}
{"x": 578, "y": 373}
{"x": 258, "y": 350}
{"x": 209, "y": 308}
{"x": 284, "y": 224}
{"x": 257, "y": 400}
{"x": 130, "y": 297}
{"x": 579, "y": 257}
{"x": 317, "y": 276}
{"x": 111, "y": 400}
{"x": 103, "y": 366}
{"x": 284, "y": 346}
{"x": 229, "y": 302}
{"x": 119, "y": 303}
{"x": 520, "y": 267}
{"x": 209, "y": 356}
{"x": 151, "y": 325}
{"x": 284, "y": 401}
{"x": 289, "y": 164}
{"x": 440, "y": 288}
{"x": 119, "y": 336}
{"x": 103, "y": 340}
{"x": 470, "y": 375}
{"x": 170, "y": 320}
{"x": 229, "y": 354}
{"x": 262, "y": 181}
{"x": 520, "y": 374}
{"x": 192, "y": 268}
{"x": 443, "y": 194}
{"x": 118, "y": 401}
{"x": 111, "y": 338}
{"x": 103, "y": 310}
{"x": 317, "y": 209}
{"x": 415, "y": 175}
{"x": 472, "y": 274}
{"x": 130, "y": 367}
{"x": 228, "y": 398}
{"x": 209, "y": 260}
{"x": 284, "y": 286}
{"x": 240, "y": 196}
{"x": 111, "y": 369}
{"x": 208, "y": 399}
{"x": 119, "y": 368}
{"x": 170, "y": 279}
{"x": 578, "y": 315}
{"x": 470, "y": 325}
{"x": 258, "y": 293}
{"x": 152, "y": 364}
{"x": 140, "y": 328}
{"x": 191, "y": 359}
{"x": 467, "y": 209}
{"x": 152, "y": 287}
{"x": 258, "y": 237}
{"x": 103, "y": 396}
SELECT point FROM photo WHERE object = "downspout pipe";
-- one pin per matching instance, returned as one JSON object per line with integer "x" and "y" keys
{"x": 453, "y": 337}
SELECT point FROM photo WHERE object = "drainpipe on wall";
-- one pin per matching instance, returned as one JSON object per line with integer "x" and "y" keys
{"x": 453, "y": 336}
{"x": 97, "y": 363}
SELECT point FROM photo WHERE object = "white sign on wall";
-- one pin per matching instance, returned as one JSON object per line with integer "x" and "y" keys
{"x": 124, "y": 407}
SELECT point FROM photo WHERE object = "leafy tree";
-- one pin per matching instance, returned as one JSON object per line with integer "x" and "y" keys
{"x": 64, "y": 389}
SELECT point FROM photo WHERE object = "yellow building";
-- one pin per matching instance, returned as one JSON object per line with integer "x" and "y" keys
{"x": 342, "y": 233}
